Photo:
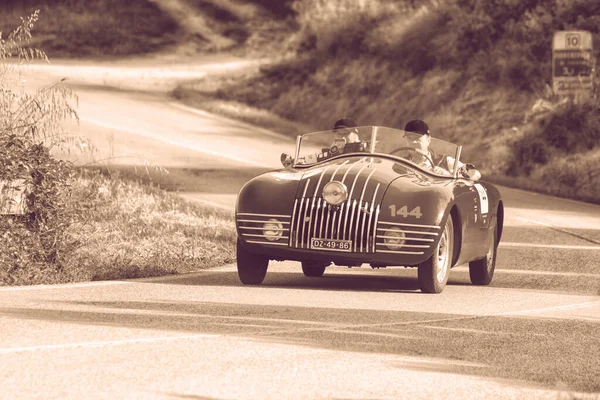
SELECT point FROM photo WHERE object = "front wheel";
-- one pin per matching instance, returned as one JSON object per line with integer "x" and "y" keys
{"x": 251, "y": 267}
{"x": 433, "y": 273}
{"x": 482, "y": 271}
{"x": 314, "y": 269}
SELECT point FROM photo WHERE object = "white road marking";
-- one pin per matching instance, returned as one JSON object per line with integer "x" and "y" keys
{"x": 11, "y": 350}
{"x": 539, "y": 310}
{"x": 531, "y": 221}
{"x": 554, "y": 273}
{"x": 206, "y": 114}
{"x": 175, "y": 143}
{"x": 65, "y": 286}
{"x": 549, "y": 246}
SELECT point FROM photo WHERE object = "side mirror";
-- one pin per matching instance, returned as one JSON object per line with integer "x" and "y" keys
{"x": 469, "y": 171}
{"x": 286, "y": 160}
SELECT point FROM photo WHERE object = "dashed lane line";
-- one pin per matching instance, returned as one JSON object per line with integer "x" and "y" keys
{"x": 12, "y": 350}
{"x": 548, "y": 246}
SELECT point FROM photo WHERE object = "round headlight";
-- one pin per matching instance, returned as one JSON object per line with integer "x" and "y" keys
{"x": 272, "y": 230}
{"x": 394, "y": 238}
{"x": 335, "y": 193}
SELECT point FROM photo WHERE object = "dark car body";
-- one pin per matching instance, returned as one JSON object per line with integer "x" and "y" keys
{"x": 389, "y": 200}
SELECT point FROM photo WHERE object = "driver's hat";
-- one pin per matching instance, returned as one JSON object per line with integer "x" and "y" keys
{"x": 344, "y": 123}
{"x": 417, "y": 126}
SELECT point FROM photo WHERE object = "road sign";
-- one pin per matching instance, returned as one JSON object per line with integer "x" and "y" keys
{"x": 572, "y": 63}
{"x": 12, "y": 197}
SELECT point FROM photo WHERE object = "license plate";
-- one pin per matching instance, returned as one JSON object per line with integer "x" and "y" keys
{"x": 331, "y": 244}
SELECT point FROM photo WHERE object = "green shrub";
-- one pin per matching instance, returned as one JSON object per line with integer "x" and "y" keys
{"x": 29, "y": 127}
{"x": 573, "y": 126}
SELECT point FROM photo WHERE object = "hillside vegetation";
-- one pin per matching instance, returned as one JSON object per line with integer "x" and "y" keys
{"x": 473, "y": 69}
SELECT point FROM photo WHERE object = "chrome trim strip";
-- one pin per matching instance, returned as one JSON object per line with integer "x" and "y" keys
{"x": 339, "y": 225}
{"x": 351, "y": 221}
{"x": 259, "y": 228}
{"x": 411, "y": 225}
{"x": 407, "y": 238}
{"x": 262, "y": 236}
{"x": 269, "y": 243}
{"x": 370, "y": 217}
{"x": 264, "y": 215}
{"x": 300, "y": 211}
{"x": 325, "y": 207}
{"x": 320, "y": 179}
{"x": 293, "y": 224}
{"x": 410, "y": 246}
{"x": 337, "y": 169}
{"x": 401, "y": 252}
{"x": 360, "y": 207}
{"x": 327, "y": 223}
{"x": 415, "y": 232}
{"x": 333, "y": 222}
{"x": 261, "y": 221}
{"x": 348, "y": 170}
{"x": 375, "y": 226}
{"x": 312, "y": 208}
{"x": 349, "y": 201}
{"x": 362, "y": 227}
{"x": 316, "y": 214}
{"x": 304, "y": 212}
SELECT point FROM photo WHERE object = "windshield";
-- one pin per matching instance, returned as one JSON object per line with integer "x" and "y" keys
{"x": 428, "y": 153}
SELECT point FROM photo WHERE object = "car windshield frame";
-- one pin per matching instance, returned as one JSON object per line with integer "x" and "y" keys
{"x": 316, "y": 147}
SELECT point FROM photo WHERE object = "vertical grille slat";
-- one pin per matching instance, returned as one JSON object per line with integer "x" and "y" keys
{"x": 362, "y": 227}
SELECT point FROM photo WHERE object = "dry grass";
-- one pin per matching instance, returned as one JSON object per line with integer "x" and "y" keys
{"x": 130, "y": 231}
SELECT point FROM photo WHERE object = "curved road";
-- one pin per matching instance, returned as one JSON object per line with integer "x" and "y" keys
{"x": 356, "y": 333}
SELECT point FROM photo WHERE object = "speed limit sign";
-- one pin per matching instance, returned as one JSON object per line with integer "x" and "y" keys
{"x": 573, "y": 62}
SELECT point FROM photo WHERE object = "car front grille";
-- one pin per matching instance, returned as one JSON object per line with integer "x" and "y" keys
{"x": 355, "y": 219}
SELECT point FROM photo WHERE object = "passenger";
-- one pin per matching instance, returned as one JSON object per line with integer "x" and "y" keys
{"x": 418, "y": 134}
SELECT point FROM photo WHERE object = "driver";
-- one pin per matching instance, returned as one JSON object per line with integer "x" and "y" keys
{"x": 345, "y": 128}
{"x": 345, "y": 132}
{"x": 417, "y": 133}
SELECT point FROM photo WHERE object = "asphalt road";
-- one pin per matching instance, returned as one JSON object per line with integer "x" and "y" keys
{"x": 356, "y": 333}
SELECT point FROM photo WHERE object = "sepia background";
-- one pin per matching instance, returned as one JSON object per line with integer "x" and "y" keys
{"x": 135, "y": 123}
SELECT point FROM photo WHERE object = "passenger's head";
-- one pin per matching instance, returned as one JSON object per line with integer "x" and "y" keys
{"x": 417, "y": 132}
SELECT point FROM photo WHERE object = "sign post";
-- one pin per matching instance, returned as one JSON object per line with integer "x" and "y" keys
{"x": 572, "y": 63}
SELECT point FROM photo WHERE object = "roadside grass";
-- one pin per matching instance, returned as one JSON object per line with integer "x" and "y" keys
{"x": 129, "y": 230}
{"x": 99, "y": 28}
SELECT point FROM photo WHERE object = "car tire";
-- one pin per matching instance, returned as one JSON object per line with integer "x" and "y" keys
{"x": 314, "y": 269}
{"x": 251, "y": 267}
{"x": 482, "y": 271}
{"x": 433, "y": 273}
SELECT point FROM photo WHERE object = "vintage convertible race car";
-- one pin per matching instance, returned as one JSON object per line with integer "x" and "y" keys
{"x": 379, "y": 199}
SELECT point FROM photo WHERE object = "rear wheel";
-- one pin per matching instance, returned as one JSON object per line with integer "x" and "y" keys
{"x": 433, "y": 273}
{"x": 482, "y": 271}
{"x": 251, "y": 267}
{"x": 314, "y": 269}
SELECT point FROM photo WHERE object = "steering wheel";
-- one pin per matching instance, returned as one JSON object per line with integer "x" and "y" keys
{"x": 399, "y": 149}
